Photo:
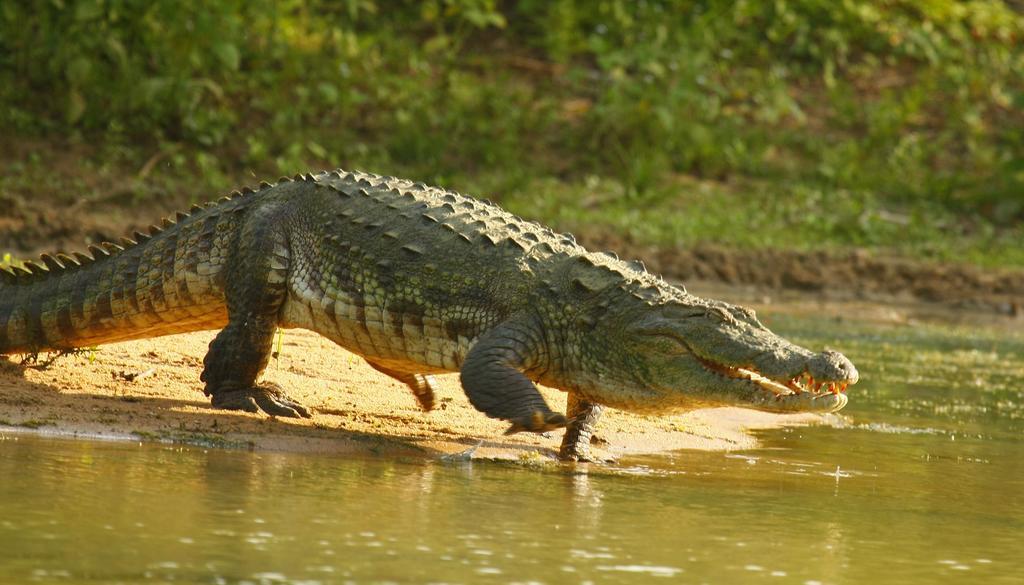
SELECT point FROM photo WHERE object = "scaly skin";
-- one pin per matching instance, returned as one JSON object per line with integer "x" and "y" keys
{"x": 417, "y": 280}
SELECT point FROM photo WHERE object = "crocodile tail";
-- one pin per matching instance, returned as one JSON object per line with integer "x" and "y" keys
{"x": 151, "y": 284}
{"x": 9, "y": 277}
{"x": 36, "y": 298}
{"x": 49, "y": 304}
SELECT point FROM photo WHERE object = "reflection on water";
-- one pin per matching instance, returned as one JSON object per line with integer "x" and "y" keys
{"x": 922, "y": 482}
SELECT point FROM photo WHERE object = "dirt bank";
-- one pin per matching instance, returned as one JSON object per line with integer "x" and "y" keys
{"x": 851, "y": 275}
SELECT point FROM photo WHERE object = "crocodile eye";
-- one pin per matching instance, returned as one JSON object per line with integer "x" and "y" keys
{"x": 721, "y": 314}
{"x": 675, "y": 347}
{"x": 666, "y": 343}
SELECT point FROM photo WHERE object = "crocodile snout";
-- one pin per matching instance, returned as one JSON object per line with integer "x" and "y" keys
{"x": 832, "y": 366}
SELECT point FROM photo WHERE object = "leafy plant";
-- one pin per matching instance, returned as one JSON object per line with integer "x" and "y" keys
{"x": 918, "y": 104}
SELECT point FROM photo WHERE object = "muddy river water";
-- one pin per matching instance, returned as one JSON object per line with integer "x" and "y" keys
{"x": 920, "y": 481}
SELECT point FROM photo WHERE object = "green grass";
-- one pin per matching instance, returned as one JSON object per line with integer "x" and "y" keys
{"x": 802, "y": 124}
{"x": 7, "y": 261}
{"x": 687, "y": 212}
{"x": 678, "y": 211}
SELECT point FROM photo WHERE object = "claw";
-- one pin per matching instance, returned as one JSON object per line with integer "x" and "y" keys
{"x": 269, "y": 398}
{"x": 538, "y": 422}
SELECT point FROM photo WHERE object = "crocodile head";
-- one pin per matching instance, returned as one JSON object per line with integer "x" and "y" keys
{"x": 685, "y": 352}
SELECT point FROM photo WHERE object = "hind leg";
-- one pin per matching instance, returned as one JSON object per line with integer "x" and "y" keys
{"x": 255, "y": 289}
{"x": 421, "y": 385}
{"x": 236, "y": 358}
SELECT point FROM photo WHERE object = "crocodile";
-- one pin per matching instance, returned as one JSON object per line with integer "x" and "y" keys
{"x": 418, "y": 281}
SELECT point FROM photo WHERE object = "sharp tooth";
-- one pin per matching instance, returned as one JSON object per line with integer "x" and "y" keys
{"x": 774, "y": 387}
{"x": 745, "y": 373}
{"x": 787, "y": 388}
{"x": 806, "y": 381}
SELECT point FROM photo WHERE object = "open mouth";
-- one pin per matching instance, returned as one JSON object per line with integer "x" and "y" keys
{"x": 798, "y": 385}
{"x": 802, "y": 388}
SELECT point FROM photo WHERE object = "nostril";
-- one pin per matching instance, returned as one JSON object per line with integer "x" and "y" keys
{"x": 832, "y": 365}
{"x": 853, "y": 375}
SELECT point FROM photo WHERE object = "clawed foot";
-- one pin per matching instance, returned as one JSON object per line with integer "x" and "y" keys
{"x": 538, "y": 422}
{"x": 576, "y": 448}
{"x": 267, "y": 397}
{"x": 580, "y": 454}
{"x": 422, "y": 388}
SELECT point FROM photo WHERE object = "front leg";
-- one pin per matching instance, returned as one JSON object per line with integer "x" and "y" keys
{"x": 583, "y": 416}
{"x": 493, "y": 379}
{"x": 255, "y": 289}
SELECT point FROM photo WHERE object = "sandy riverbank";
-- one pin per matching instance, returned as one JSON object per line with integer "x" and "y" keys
{"x": 356, "y": 409}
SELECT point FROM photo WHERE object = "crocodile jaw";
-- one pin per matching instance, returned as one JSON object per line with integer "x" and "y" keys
{"x": 802, "y": 393}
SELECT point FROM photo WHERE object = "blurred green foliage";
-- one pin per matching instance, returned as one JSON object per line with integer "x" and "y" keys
{"x": 896, "y": 104}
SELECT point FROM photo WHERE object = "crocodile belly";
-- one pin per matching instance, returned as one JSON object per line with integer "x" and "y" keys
{"x": 402, "y": 339}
